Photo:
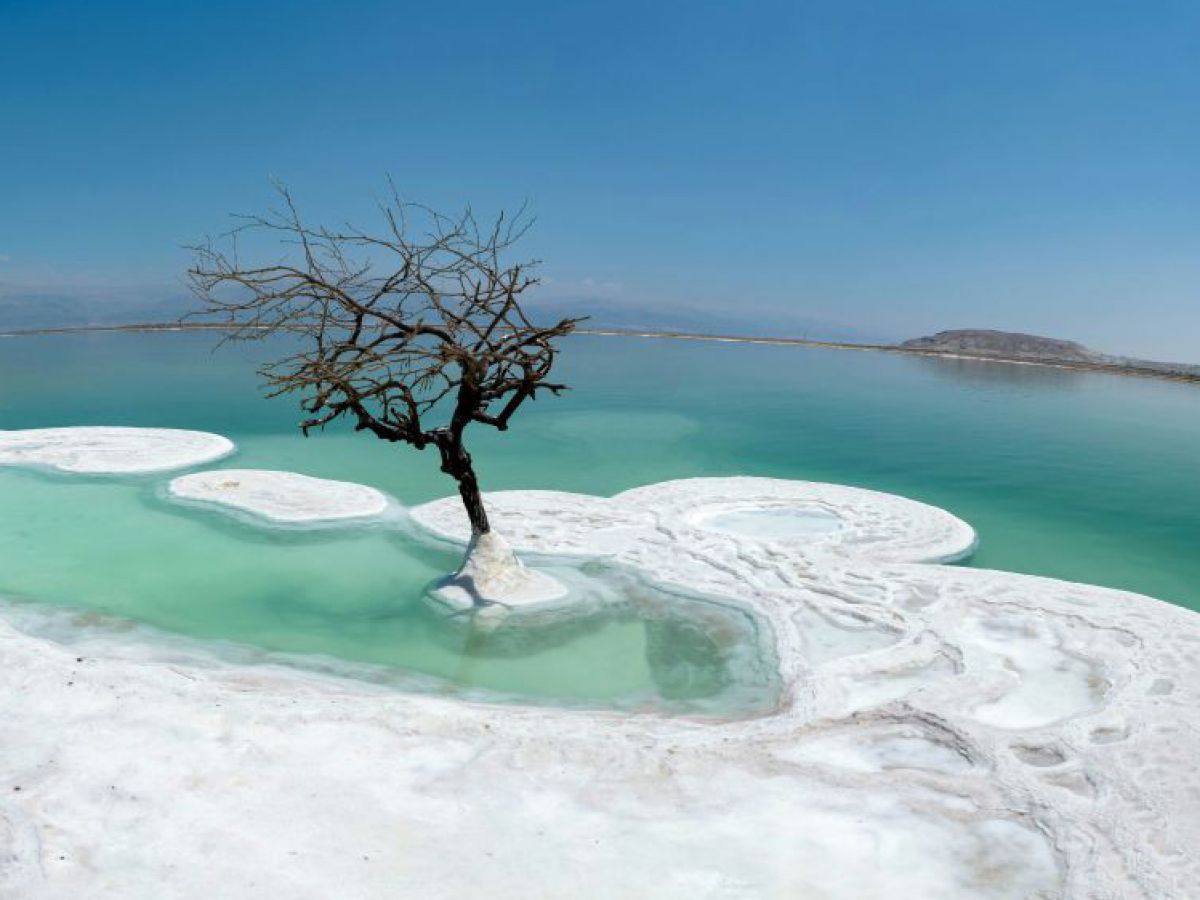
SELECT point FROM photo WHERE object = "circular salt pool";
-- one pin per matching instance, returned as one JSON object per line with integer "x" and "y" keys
{"x": 771, "y": 523}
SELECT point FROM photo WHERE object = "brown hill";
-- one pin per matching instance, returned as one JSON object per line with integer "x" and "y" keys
{"x": 1007, "y": 344}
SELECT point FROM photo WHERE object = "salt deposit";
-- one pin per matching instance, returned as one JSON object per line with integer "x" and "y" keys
{"x": 103, "y": 450}
{"x": 281, "y": 496}
{"x": 944, "y": 733}
{"x": 492, "y": 577}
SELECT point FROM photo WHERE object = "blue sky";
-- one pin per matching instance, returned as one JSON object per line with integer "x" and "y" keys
{"x": 899, "y": 167}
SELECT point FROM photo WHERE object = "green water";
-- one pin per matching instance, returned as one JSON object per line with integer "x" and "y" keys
{"x": 354, "y": 594}
{"x": 1076, "y": 475}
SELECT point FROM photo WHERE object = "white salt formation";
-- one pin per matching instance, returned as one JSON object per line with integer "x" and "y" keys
{"x": 718, "y": 514}
{"x": 492, "y": 576}
{"x": 103, "y": 450}
{"x": 281, "y": 496}
{"x": 775, "y": 523}
{"x": 943, "y": 733}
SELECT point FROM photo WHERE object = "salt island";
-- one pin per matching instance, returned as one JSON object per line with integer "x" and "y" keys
{"x": 100, "y": 450}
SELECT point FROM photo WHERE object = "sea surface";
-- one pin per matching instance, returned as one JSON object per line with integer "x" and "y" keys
{"x": 1084, "y": 476}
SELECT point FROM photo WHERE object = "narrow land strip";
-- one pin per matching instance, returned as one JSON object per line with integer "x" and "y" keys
{"x": 1165, "y": 374}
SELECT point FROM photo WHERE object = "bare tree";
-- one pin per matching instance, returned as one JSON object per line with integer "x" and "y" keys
{"x": 412, "y": 333}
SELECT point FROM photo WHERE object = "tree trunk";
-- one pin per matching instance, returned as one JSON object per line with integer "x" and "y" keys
{"x": 468, "y": 489}
{"x": 456, "y": 462}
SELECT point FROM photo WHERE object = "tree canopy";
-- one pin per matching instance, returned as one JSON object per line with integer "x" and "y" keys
{"x": 412, "y": 333}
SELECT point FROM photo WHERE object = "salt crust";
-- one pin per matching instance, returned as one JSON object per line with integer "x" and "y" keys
{"x": 106, "y": 450}
{"x": 880, "y": 527}
{"x": 946, "y": 733}
{"x": 493, "y": 579}
{"x": 281, "y": 496}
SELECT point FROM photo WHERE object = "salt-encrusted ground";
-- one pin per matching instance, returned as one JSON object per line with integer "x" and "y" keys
{"x": 945, "y": 732}
{"x": 103, "y": 450}
{"x": 281, "y": 496}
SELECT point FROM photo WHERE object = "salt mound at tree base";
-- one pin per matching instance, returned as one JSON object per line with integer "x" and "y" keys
{"x": 492, "y": 576}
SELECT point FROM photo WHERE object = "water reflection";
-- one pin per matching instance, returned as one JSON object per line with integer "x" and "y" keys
{"x": 702, "y": 654}
{"x": 996, "y": 373}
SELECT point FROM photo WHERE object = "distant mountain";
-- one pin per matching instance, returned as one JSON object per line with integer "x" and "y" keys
{"x": 25, "y": 308}
{"x": 1011, "y": 345}
{"x": 22, "y": 307}
{"x": 605, "y": 313}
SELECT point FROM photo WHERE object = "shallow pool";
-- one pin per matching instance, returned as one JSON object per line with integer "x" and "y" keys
{"x": 354, "y": 598}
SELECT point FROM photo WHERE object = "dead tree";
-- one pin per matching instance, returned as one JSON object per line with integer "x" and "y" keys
{"x": 412, "y": 333}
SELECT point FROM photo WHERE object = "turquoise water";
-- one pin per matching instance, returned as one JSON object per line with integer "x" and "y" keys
{"x": 1082, "y": 476}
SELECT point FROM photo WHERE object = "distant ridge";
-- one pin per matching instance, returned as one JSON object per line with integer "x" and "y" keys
{"x": 25, "y": 309}
{"x": 1008, "y": 344}
{"x": 1014, "y": 346}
